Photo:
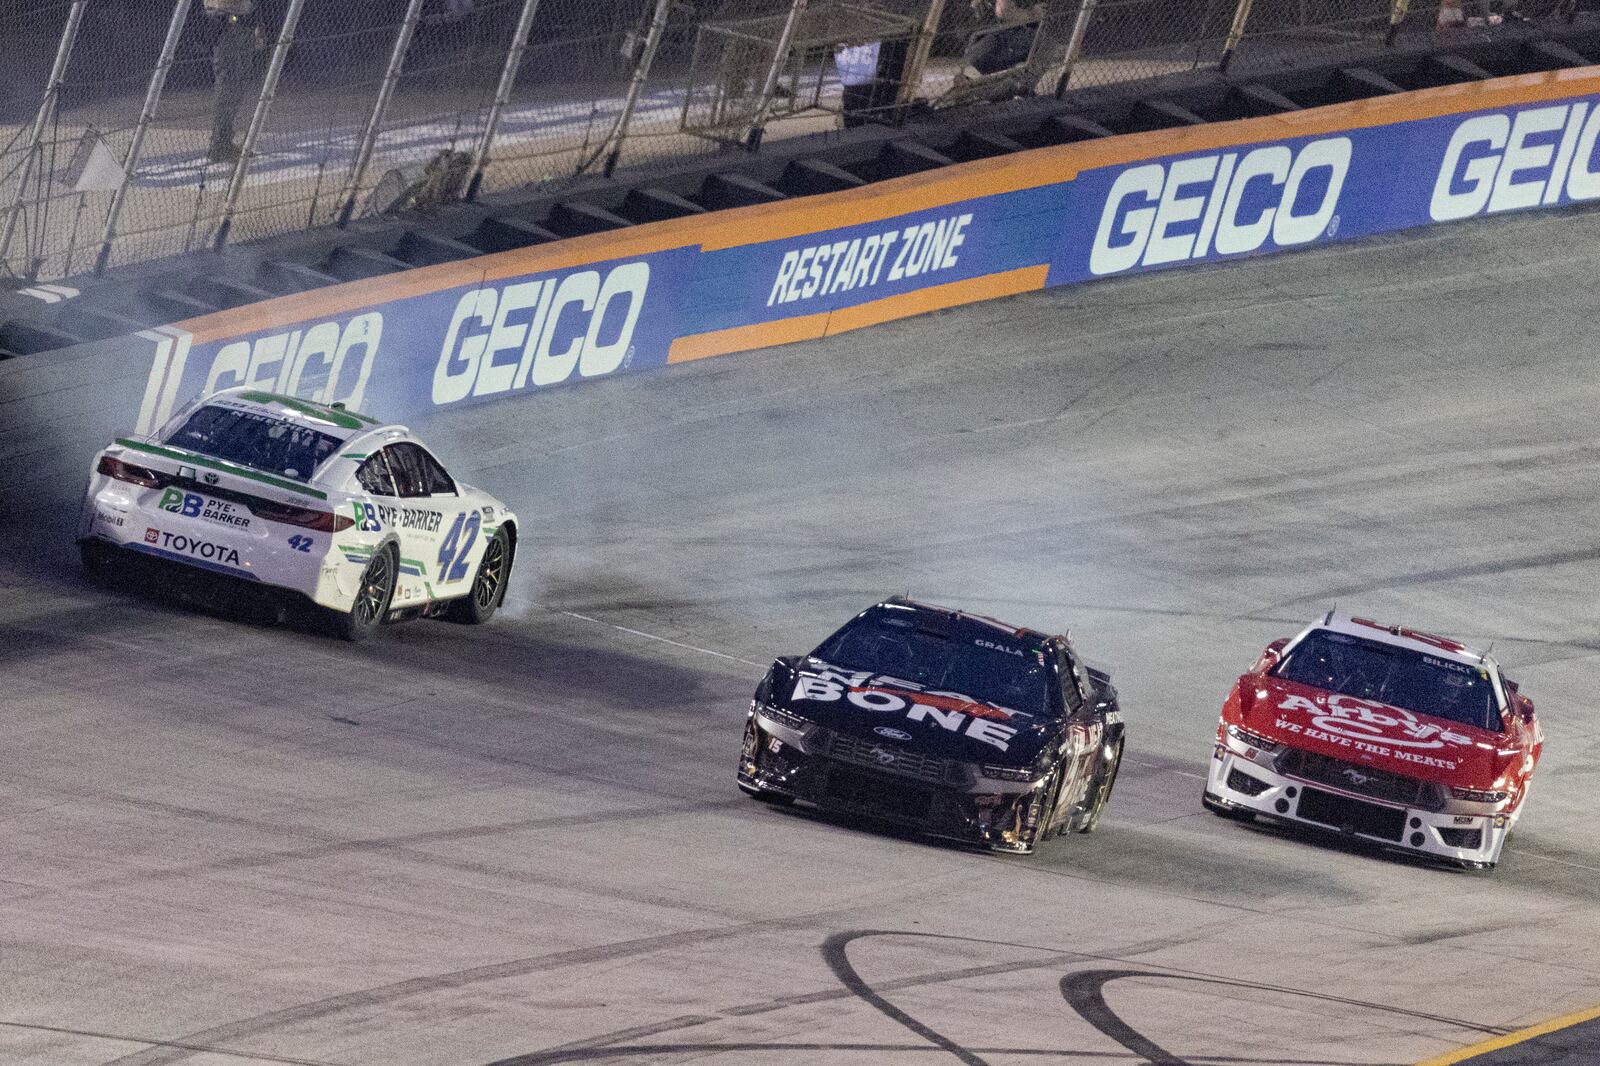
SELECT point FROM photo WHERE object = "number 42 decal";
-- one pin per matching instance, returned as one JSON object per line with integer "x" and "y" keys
{"x": 453, "y": 564}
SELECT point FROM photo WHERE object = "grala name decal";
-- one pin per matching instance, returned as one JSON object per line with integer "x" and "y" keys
{"x": 890, "y": 695}
{"x": 857, "y": 263}
{"x": 1228, "y": 203}
{"x": 1500, "y": 162}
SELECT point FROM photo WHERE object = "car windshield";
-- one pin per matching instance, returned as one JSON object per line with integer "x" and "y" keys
{"x": 1400, "y": 677}
{"x": 255, "y": 439}
{"x": 1001, "y": 670}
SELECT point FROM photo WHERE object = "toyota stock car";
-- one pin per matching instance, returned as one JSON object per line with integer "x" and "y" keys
{"x": 353, "y": 515}
{"x": 949, "y": 724}
{"x": 1381, "y": 733}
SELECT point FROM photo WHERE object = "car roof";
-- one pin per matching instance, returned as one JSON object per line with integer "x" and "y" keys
{"x": 978, "y": 622}
{"x": 1406, "y": 637}
{"x": 333, "y": 419}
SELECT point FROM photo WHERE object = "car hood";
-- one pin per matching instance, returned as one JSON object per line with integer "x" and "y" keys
{"x": 898, "y": 715}
{"x": 1363, "y": 731}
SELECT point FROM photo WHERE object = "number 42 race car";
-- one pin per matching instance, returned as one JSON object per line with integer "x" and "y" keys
{"x": 1385, "y": 734}
{"x": 353, "y": 515}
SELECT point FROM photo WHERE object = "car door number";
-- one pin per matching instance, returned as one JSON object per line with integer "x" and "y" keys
{"x": 453, "y": 562}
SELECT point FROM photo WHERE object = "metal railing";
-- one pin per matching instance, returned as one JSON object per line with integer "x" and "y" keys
{"x": 131, "y": 132}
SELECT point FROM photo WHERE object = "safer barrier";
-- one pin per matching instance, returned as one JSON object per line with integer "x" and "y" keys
{"x": 516, "y": 323}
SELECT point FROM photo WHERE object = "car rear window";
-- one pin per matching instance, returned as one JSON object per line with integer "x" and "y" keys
{"x": 255, "y": 439}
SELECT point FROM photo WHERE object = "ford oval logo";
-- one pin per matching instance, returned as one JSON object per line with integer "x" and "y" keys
{"x": 891, "y": 733}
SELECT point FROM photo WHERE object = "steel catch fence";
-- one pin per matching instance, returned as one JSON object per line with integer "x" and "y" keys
{"x": 132, "y": 130}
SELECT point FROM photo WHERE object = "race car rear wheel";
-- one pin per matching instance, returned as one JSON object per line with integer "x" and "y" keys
{"x": 98, "y": 565}
{"x": 372, "y": 596}
{"x": 488, "y": 584}
{"x": 1100, "y": 788}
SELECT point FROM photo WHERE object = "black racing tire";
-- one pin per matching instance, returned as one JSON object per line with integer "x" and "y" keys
{"x": 373, "y": 597}
{"x": 1230, "y": 813}
{"x": 99, "y": 564}
{"x": 488, "y": 583}
{"x": 1104, "y": 782}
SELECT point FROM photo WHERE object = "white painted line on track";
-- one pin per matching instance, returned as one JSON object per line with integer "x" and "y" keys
{"x": 662, "y": 640}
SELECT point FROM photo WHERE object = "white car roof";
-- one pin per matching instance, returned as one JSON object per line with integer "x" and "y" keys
{"x": 1410, "y": 639}
{"x": 336, "y": 421}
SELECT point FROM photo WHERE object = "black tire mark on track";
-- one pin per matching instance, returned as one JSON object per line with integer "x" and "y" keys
{"x": 1084, "y": 992}
{"x": 1086, "y": 997}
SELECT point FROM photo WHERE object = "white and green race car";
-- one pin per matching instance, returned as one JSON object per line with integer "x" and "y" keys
{"x": 354, "y": 515}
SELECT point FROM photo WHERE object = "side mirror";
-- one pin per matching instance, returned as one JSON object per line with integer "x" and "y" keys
{"x": 1523, "y": 706}
{"x": 1270, "y": 656}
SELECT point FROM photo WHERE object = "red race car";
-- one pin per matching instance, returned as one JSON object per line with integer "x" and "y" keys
{"x": 1381, "y": 733}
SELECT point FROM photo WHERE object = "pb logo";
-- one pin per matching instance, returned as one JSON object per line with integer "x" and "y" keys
{"x": 366, "y": 517}
{"x": 185, "y": 503}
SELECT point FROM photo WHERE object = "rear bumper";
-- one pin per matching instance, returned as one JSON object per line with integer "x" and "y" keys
{"x": 777, "y": 761}
{"x": 1458, "y": 832}
{"x": 254, "y": 552}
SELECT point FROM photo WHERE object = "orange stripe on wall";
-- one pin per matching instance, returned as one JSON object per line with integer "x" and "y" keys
{"x": 826, "y": 324}
{"x": 936, "y": 188}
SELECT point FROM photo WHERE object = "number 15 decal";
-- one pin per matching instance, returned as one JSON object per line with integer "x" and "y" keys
{"x": 453, "y": 564}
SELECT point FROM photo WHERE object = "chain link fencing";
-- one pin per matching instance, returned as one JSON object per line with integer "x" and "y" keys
{"x": 132, "y": 130}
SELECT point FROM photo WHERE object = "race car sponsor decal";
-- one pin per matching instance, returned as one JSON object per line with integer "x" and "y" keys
{"x": 107, "y": 518}
{"x": 892, "y": 733}
{"x": 409, "y": 518}
{"x": 992, "y": 646}
{"x": 1374, "y": 728}
{"x": 193, "y": 505}
{"x": 881, "y": 693}
{"x": 194, "y": 547}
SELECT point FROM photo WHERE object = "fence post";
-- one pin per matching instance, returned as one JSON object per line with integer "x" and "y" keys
{"x": 1397, "y": 15}
{"x": 147, "y": 115}
{"x": 502, "y": 96}
{"x": 652, "y": 41}
{"x": 258, "y": 119}
{"x": 769, "y": 87}
{"x": 1241, "y": 15}
{"x": 911, "y": 78}
{"x": 380, "y": 106}
{"x": 47, "y": 108}
{"x": 1080, "y": 30}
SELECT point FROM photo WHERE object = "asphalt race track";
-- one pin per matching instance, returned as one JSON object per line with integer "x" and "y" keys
{"x": 238, "y": 843}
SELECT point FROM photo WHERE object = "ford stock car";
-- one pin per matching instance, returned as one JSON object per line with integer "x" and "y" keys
{"x": 353, "y": 515}
{"x": 946, "y": 723}
{"x": 1382, "y": 733}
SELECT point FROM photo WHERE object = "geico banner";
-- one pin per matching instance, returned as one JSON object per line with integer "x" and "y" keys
{"x": 519, "y": 322}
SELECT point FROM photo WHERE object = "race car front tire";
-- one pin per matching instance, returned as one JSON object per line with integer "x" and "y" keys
{"x": 1105, "y": 780}
{"x": 488, "y": 584}
{"x": 372, "y": 597}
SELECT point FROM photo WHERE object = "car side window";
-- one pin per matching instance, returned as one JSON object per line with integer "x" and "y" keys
{"x": 439, "y": 482}
{"x": 409, "y": 475}
{"x": 1069, "y": 683}
{"x": 374, "y": 476}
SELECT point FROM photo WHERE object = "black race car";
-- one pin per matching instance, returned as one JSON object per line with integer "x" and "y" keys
{"x": 945, "y": 722}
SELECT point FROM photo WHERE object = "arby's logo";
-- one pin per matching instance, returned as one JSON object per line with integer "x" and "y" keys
{"x": 1373, "y": 728}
